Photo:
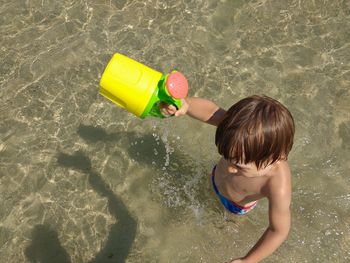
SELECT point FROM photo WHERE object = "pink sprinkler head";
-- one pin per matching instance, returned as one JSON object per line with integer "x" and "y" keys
{"x": 177, "y": 85}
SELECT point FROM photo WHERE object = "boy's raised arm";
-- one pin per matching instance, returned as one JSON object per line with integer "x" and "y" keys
{"x": 197, "y": 108}
{"x": 205, "y": 110}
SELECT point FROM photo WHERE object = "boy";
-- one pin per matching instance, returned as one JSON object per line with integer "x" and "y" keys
{"x": 254, "y": 138}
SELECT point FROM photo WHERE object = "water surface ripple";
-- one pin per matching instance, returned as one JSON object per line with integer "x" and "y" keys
{"x": 81, "y": 180}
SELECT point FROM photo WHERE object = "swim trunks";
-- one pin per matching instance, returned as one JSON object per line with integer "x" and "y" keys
{"x": 228, "y": 204}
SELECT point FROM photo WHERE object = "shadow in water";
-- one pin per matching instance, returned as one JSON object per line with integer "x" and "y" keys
{"x": 179, "y": 180}
{"x": 175, "y": 168}
{"x": 46, "y": 247}
{"x": 139, "y": 148}
{"x": 95, "y": 134}
{"x": 122, "y": 234}
{"x": 145, "y": 149}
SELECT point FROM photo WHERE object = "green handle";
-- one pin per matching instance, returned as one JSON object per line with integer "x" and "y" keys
{"x": 160, "y": 95}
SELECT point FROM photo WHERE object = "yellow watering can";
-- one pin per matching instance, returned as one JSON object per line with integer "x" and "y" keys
{"x": 139, "y": 89}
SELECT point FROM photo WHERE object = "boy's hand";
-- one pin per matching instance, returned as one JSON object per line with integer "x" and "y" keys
{"x": 168, "y": 110}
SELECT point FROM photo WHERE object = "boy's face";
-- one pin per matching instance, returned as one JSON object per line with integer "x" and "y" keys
{"x": 249, "y": 169}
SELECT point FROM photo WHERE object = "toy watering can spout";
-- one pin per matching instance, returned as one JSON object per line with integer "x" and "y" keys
{"x": 139, "y": 89}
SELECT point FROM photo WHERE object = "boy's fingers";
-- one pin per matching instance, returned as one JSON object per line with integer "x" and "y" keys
{"x": 172, "y": 109}
{"x": 167, "y": 109}
{"x": 166, "y": 112}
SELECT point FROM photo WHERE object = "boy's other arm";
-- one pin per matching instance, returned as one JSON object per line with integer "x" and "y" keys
{"x": 278, "y": 229}
{"x": 197, "y": 108}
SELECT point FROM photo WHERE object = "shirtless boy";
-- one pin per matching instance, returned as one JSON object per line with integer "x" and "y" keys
{"x": 254, "y": 138}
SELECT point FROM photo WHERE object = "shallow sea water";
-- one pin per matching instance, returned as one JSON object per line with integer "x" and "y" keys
{"x": 82, "y": 180}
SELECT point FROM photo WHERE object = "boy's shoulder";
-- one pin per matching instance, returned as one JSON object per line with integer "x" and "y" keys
{"x": 279, "y": 183}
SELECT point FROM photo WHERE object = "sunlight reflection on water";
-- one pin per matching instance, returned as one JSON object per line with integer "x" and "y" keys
{"x": 78, "y": 174}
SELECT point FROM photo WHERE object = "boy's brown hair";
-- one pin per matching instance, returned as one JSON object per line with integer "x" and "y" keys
{"x": 256, "y": 129}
